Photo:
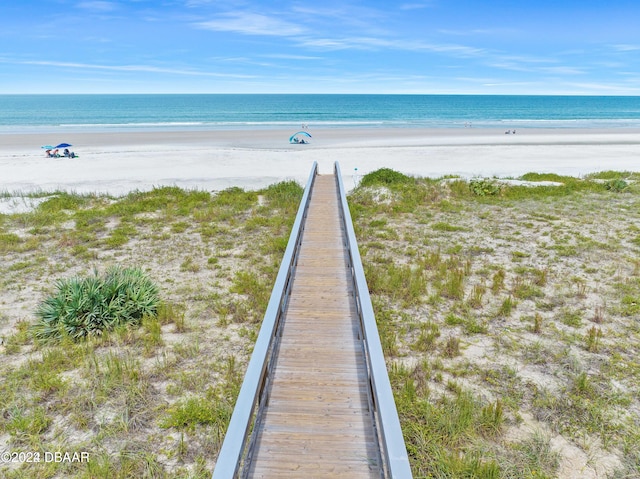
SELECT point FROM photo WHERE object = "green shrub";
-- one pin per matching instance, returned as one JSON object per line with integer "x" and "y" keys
{"x": 484, "y": 187}
{"x": 195, "y": 411}
{"x": 616, "y": 185}
{"x": 546, "y": 177}
{"x": 235, "y": 198}
{"x": 64, "y": 201}
{"x": 385, "y": 176}
{"x": 88, "y": 306}
{"x": 610, "y": 175}
{"x": 284, "y": 195}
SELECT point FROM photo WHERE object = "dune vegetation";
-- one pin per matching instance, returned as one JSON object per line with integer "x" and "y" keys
{"x": 508, "y": 312}
{"x": 508, "y": 315}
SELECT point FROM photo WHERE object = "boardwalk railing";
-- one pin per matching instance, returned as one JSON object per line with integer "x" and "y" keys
{"x": 393, "y": 449}
{"x": 234, "y": 454}
{"x": 233, "y": 451}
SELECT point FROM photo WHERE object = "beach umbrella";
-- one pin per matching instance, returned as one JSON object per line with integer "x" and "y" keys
{"x": 293, "y": 139}
{"x": 63, "y": 145}
{"x": 47, "y": 147}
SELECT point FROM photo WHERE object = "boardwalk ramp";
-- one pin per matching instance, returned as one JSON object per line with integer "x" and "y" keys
{"x": 316, "y": 400}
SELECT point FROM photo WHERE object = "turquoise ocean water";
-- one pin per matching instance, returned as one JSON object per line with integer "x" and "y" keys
{"x": 45, "y": 113}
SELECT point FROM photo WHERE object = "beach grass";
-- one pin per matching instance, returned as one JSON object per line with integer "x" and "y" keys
{"x": 507, "y": 316}
{"x": 524, "y": 306}
{"x": 152, "y": 398}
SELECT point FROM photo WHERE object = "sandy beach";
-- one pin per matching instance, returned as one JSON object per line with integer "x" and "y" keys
{"x": 525, "y": 301}
{"x": 118, "y": 162}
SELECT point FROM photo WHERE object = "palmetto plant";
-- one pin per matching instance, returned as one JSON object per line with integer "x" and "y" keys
{"x": 88, "y": 306}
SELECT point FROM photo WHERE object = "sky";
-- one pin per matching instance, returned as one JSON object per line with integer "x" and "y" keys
{"x": 539, "y": 47}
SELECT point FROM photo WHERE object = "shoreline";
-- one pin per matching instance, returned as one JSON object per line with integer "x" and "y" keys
{"x": 119, "y": 162}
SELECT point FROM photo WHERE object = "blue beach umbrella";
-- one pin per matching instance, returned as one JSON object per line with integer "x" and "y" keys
{"x": 47, "y": 147}
{"x": 63, "y": 145}
{"x": 294, "y": 137}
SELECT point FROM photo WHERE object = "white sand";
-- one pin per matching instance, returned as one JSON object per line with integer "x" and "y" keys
{"x": 120, "y": 162}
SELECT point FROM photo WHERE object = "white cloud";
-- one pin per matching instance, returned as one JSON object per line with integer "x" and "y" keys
{"x": 128, "y": 68}
{"x": 415, "y": 6}
{"x": 344, "y": 17}
{"x": 284, "y": 56}
{"x": 609, "y": 88}
{"x": 626, "y": 48}
{"x": 563, "y": 70}
{"x": 326, "y": 43}
{"x": 98, "y": 6}
{"x": 351, "y": 43}
{"x": 477, "y": 31}
{"x": 378, "y": 43}
{"x": 252, "y": 24}
{"x": 455, "y": 50}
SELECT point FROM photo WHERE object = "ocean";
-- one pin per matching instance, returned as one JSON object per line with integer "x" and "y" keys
{"x": 71, "y": 113}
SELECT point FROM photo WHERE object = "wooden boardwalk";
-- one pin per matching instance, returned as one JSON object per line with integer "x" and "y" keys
{"x": 317, "y": 422}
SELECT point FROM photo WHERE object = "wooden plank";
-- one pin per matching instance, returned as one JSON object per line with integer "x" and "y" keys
{"x": 317, "y": 421}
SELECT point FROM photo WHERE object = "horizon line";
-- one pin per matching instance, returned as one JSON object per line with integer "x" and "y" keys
{"x": 327, "y": 93}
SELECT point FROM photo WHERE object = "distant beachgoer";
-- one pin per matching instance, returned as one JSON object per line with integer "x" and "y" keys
{"x": 66, "y": 152}
{"x": 48, "y": 153}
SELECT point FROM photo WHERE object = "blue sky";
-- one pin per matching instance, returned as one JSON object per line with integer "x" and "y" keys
{"x": 328, "y": 46}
